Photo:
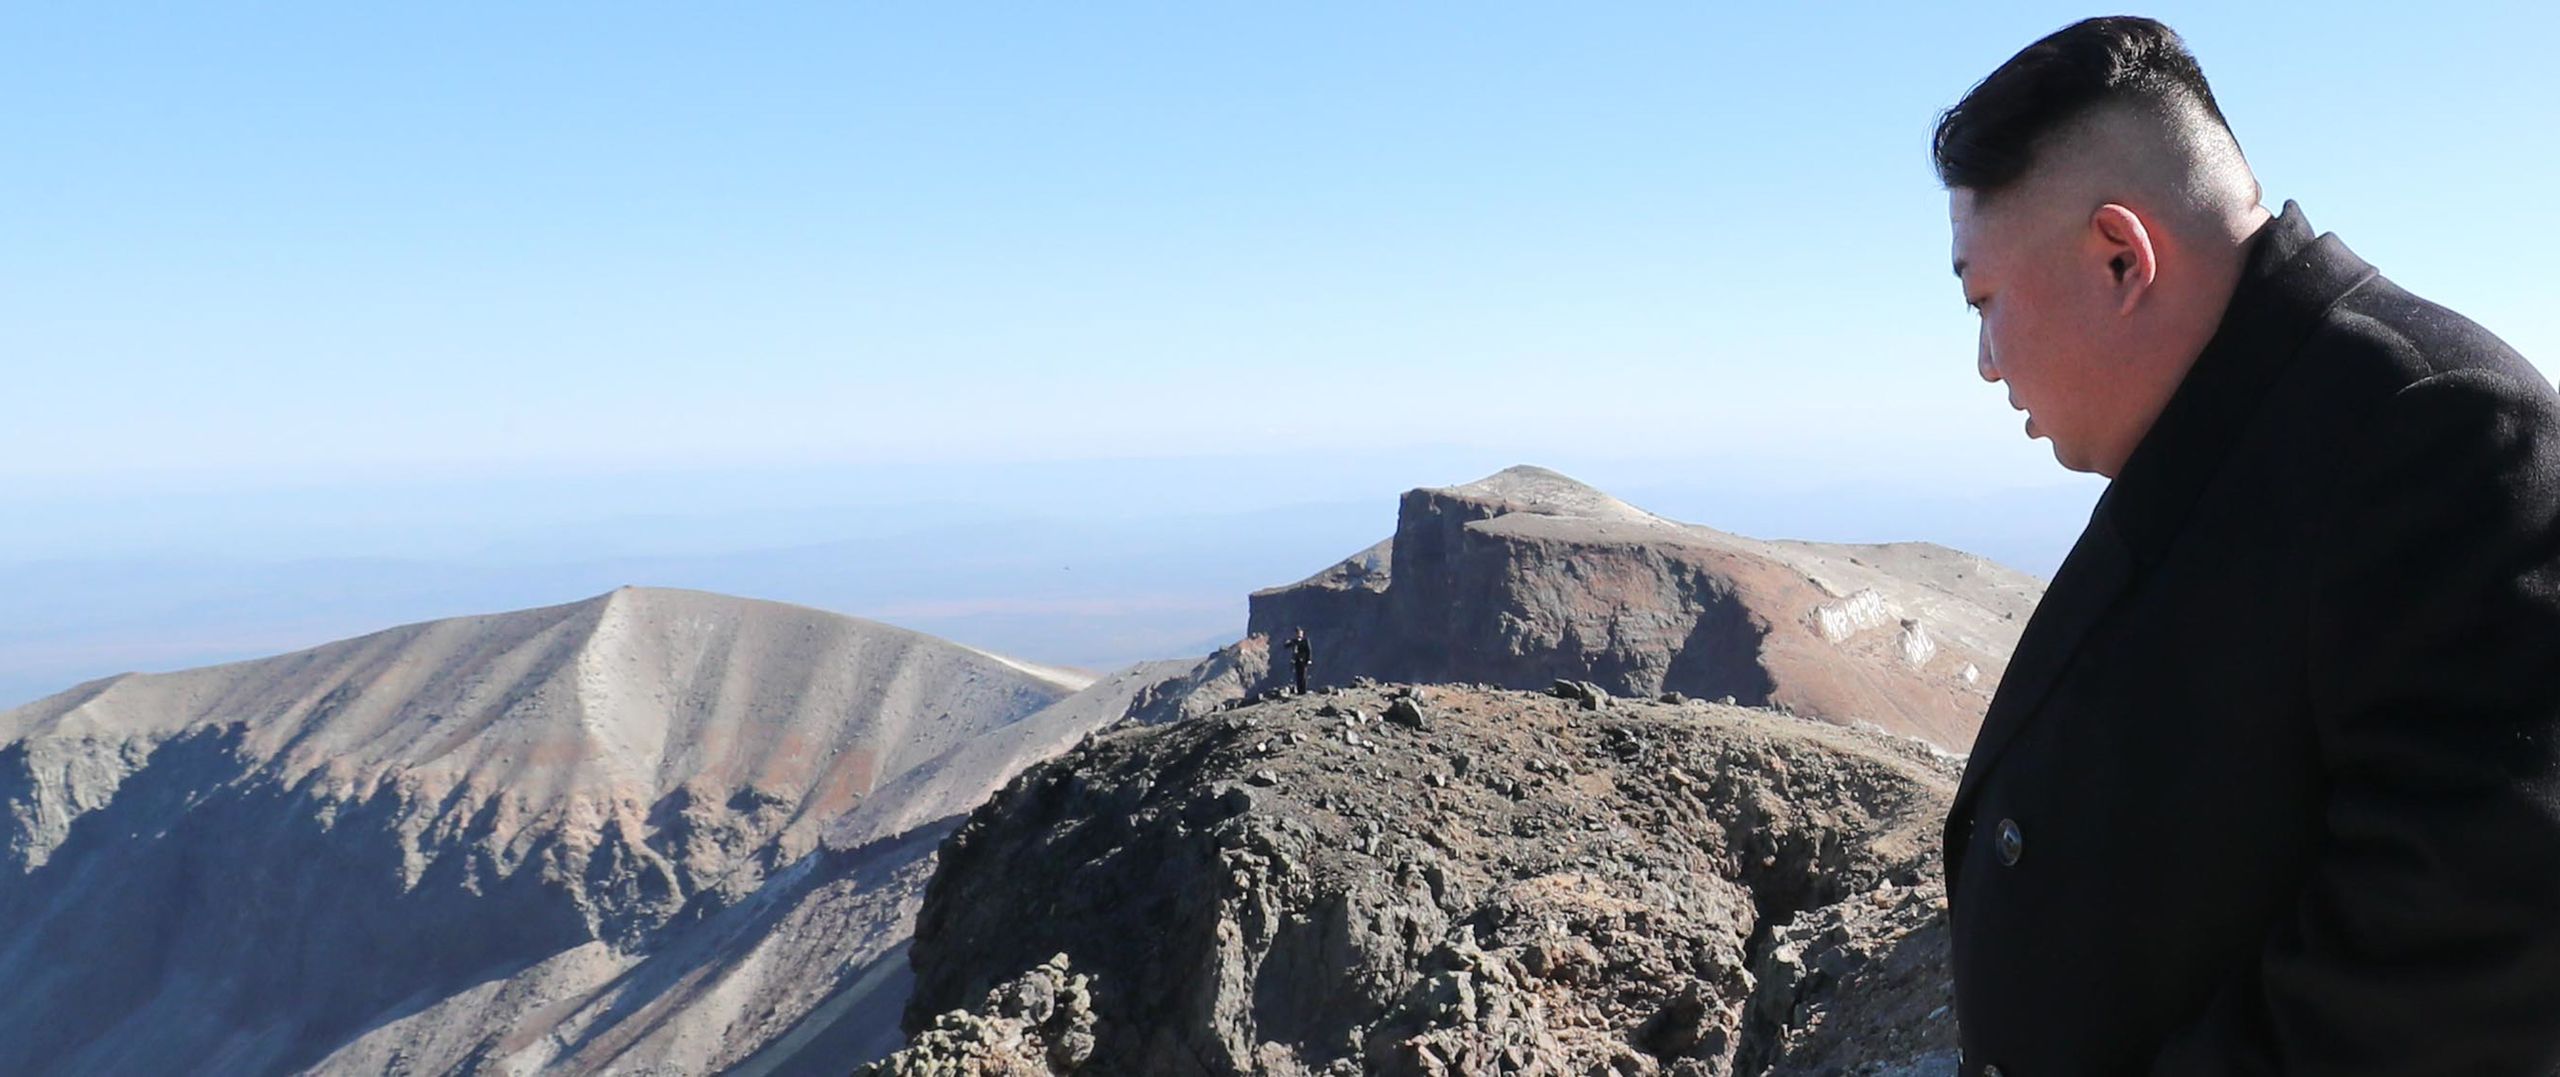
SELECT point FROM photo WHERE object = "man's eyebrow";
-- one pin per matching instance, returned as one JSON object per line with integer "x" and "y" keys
{"x": 1959, "y": 268}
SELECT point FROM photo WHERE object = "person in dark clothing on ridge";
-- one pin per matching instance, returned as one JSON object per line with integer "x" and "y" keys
{"x": 1299, "y": 658}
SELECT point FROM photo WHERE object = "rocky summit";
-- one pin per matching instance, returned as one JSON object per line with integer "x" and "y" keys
{"x": 1389, "y": 879}
{"x": 1527, "y": 575}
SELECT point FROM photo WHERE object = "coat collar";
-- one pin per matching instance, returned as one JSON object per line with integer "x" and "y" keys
{"x": 2288, "y": 280}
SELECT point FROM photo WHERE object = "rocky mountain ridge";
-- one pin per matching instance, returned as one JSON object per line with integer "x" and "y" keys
{"x": 1526, "y": 575}
{"x": 672, "y": 832}
{"x": 1445, "y": 880}
{"x": 566, "y": 839}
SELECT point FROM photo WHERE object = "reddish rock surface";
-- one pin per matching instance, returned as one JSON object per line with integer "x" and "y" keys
{"x": 1527, "y": 576}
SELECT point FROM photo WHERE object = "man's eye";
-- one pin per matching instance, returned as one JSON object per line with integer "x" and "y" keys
{"x": 1974, "y": 305}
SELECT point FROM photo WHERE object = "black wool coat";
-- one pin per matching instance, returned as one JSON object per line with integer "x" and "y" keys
{"x": 2272, "y": 783}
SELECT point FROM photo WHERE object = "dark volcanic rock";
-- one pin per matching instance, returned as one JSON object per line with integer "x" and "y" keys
{"x": 1526, "y": 577}
{"x": 1040, "y": 1022}
{"x": 1204, "y": 686}
{"x": 1525, "y": 887}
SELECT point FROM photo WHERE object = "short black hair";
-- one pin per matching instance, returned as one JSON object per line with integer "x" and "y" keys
{"x": 1989, "y": 139}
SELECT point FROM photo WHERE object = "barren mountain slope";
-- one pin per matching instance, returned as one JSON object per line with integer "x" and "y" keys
{"x": 574, "y": 838}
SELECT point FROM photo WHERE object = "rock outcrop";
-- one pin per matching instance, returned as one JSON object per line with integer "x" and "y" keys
{"x": 1040, "y": 1022}
{"x": 587, "y": 838}
{"x": 1527, "y": 576}
{"x": 1211, "y": 683}
{"x": 1501, "y": 882}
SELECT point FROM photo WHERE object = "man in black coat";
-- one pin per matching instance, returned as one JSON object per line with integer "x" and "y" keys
{"x": 2272, "y": 782}
{"x": 1300, "y": 654}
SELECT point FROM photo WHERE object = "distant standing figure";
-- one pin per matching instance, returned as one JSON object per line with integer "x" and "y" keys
{"x": 1300, "y": 657}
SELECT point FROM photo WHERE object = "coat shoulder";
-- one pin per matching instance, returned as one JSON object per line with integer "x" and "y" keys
{"x": 2381, "y": 339}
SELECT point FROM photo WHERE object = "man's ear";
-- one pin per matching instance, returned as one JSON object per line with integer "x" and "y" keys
{"x": 2132, "y": 262}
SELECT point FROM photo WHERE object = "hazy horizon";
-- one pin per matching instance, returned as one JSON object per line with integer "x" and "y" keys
{"x": 1085, "y": 564}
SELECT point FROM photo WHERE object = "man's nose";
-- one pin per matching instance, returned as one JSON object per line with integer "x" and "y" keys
{"x": 1982, "y": 361}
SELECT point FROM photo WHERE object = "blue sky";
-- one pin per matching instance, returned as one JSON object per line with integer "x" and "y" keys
{"x": 374, "y": 280}
{"x": 294, "y": 241}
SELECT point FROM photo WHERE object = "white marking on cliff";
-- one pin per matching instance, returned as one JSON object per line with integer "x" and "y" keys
{"x": 1840, "y": 620}
{"x": 1917, "y": 647}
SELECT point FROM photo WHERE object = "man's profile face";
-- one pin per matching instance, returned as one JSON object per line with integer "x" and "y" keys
{"x": 2043, "y": 326}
